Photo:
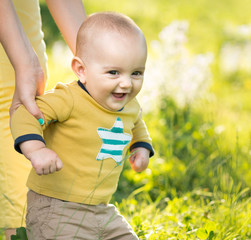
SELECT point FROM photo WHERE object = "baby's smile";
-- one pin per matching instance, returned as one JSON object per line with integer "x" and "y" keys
{"x": 119, "y": 96}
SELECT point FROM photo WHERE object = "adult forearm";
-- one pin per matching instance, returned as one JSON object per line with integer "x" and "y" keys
{"x": 68, "y": 16}
{"x": 14, "y": 39}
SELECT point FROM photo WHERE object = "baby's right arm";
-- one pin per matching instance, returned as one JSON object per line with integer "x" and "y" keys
{"x": 27, "y": 131}
{"x": 43, "y": 159}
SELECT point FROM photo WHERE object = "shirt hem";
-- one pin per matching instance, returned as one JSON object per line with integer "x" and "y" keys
{"x": 69, "y": 197}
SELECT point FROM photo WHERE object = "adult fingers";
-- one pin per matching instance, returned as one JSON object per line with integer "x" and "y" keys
{"x": 32, "y": 107}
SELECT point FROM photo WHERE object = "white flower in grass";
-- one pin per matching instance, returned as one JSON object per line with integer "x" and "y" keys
{"x": 172, "y": 72}
{"x": 235, "y": 54}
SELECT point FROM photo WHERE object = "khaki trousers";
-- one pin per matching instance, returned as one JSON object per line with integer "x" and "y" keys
{"x": 50, "y": 218}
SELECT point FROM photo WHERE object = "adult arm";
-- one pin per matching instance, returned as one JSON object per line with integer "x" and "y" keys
{"x": 68, "y": 16}
{"x": 29, "y": 75}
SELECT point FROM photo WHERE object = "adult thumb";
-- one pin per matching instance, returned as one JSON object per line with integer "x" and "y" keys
{"x": 33, "y": 109}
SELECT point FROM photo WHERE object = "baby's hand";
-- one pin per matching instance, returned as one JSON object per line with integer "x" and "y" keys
{"x": 140, "y": 159}
{"x": 45, "y": 161}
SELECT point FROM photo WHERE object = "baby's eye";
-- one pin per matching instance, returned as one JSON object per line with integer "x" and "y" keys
{"x": 137, "y": 73}
{"x": 113, "y": 72}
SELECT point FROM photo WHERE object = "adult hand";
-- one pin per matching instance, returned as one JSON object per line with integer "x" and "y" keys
{"x": 29, "y": 83}
{"x": 29, "y": 74}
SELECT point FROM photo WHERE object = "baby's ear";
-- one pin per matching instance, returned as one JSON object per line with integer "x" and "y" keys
{"x": 78, "y": 68}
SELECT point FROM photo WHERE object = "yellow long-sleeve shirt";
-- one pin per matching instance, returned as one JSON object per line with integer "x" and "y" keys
{"x": 90, "y": 140}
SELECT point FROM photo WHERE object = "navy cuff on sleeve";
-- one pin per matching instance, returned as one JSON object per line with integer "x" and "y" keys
{"x": 25, "y": 138}
{"x": 144, "y": 145}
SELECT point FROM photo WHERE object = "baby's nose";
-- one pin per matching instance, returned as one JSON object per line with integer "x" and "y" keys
{"x": 126, "y": 82}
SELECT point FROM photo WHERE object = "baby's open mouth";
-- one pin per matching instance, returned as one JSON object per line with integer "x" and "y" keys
{"x": 119, "y": 95}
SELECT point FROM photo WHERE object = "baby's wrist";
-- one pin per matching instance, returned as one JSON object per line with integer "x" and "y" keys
{"x": 28, "y": 147}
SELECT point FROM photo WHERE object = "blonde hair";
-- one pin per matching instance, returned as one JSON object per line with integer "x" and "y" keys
{"x": 104, "y": 21}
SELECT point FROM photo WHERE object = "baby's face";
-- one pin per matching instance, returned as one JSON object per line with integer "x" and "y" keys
{"x": 114, "y": 69}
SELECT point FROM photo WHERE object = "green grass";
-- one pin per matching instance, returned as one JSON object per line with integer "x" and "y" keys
{"x": 191, "y": 216}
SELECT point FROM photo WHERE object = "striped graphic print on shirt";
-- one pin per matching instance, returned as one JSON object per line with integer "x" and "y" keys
{"x": 114, "y": 141}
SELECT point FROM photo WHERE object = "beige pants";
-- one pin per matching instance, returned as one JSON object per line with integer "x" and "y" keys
{"x": 50, "y": 218}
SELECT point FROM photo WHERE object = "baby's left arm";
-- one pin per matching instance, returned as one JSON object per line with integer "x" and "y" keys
{"x": 139, "y": 159}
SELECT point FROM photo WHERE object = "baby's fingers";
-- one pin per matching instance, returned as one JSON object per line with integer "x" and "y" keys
{"x": 39, "y": 168}
{"x": 52, "y": 167}
{"x": 39, "y": 171}
{"x": 59, "y": 164}
{"x": 138, "y": 166}
{"x": 56, "y": 165}
{"x": 46, "y": 171}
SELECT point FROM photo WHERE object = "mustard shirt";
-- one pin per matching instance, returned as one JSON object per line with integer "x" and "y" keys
{"x": 90, "y": 140}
